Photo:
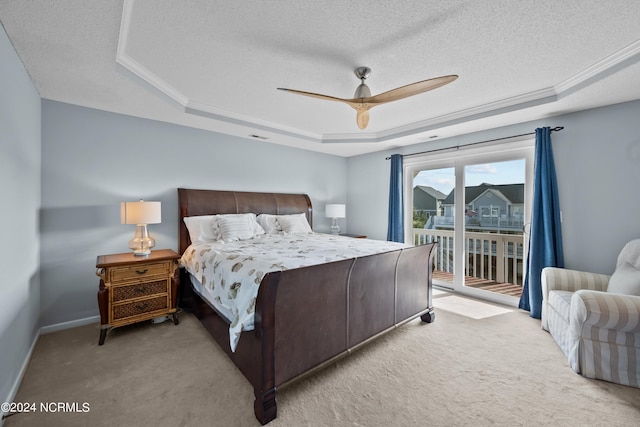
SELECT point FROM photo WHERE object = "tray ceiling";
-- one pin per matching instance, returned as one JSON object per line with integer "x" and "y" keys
{"x": 216, "y": 64}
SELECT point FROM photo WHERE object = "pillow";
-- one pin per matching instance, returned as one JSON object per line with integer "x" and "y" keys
{"x": 625, "y": 280}
{"x": 202, "y": 228}
{"x": 257, "y": 229}
{"x": 294, "y": 224}
{"x": 238, "y": 227}
{"x": 269, "y": 224}
{"x": 630, "y": 253}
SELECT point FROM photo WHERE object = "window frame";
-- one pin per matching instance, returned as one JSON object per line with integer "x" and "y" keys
{"x": 458, "y": 158}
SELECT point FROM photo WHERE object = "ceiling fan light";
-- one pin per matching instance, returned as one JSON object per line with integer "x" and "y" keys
{"x": 362, "y": 91}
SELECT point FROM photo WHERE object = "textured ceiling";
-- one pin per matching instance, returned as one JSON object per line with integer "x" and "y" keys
{"x": 216, "y": 64}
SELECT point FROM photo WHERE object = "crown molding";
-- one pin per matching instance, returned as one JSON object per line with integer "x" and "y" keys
{"x": 138, "y": 69}
{"x": 622, "y": 58}
{"x": 501, "y": 106}
{"x": 206, "y": 110}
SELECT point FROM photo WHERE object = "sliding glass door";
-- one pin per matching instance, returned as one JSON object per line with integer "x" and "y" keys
{"x": 494, "y": 214}
{"x": 475, "y": 204}
{"x": 433, "y": 216}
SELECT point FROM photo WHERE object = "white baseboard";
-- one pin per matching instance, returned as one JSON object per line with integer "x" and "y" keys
{"x": 69, "y": 325}
{"x": 16, "y": 384}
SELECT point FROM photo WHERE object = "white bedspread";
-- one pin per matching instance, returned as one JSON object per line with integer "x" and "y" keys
{"x": 232, "y": 271}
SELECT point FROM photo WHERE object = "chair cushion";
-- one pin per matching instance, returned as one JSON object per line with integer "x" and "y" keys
{"x": 625, "y": 280}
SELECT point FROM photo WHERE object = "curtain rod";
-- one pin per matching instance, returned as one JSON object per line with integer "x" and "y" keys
{"x": 555, "y": 129}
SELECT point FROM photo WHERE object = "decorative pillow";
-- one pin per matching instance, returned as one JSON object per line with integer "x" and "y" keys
{"x": 294, "y": 224}
{"x": 257, "y": 229}
{"x": 202, "y": 228}
{"x": 269, "y": 224}
{"x": 630, "y": 253}
{"x": 238, "y": 227}
{"x": 625, "y": 280}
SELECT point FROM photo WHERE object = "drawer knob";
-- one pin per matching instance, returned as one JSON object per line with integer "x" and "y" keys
{"x": 139, "y": 289}
{"x": 142, "y": 306}
{"x": 143, "y": 271}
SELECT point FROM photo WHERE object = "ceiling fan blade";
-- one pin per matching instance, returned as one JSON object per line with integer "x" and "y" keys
{"x": 362, "y": 117}
{"x": 362, "y": 109}
{"x": 320, "y": 96}
{"x": 410, "y": 90}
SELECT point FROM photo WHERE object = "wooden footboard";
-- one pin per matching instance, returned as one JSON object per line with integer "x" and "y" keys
{"x": 309, "y": 317}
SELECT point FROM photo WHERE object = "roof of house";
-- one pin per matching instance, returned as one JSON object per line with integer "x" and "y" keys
{"x": 512, "y": 192}
{"x": 438, "y": 195}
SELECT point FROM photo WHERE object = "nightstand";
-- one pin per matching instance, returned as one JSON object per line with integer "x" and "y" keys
{"x": 136, "y": 288}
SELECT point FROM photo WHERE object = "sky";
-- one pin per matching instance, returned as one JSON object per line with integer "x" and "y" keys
{"x": 511, "y": 172}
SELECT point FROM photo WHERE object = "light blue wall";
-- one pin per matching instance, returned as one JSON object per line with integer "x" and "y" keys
{"x": 93, "y": 160}
{"x": 598, "y": 167}
{"x": 20, "y": 195}
{"x": 597, "y": 159}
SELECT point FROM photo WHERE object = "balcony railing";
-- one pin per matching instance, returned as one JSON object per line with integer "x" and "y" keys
{"x": 489, "y": 256}
{"x": 511, "y": 223}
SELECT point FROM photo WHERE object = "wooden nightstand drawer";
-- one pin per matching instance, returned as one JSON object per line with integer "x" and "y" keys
{"x": 136, "y": 308}
{"x": 140, "y": 272}
{"x": 137, "y": 290}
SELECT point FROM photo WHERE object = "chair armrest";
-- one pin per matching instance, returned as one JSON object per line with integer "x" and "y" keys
{"x": 603, "y": 310}
{"x": 564, "y": 279}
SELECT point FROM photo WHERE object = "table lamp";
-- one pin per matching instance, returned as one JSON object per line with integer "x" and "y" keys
{"x": 141, "y": 213}
{"x": 335, "y": 211}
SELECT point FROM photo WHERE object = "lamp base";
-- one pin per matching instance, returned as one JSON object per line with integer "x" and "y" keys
{"x": 141, "y": 243}
{"x": 142, "y": 252}
{"x": 335, "y": 228}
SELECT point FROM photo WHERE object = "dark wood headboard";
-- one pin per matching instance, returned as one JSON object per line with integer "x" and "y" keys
{"x": 211, "y": 202}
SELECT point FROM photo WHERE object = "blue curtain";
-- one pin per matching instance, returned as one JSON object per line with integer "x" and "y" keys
{"x": 395, "y": 230}
{"x": 545, "y": 240}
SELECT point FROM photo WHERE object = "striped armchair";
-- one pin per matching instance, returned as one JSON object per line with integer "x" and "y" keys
{"x": 594, "y": 319}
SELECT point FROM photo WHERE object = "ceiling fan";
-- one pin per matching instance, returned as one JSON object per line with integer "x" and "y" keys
{"x": 362, "y": 100}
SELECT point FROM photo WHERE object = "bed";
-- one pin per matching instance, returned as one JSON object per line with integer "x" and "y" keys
{"x": 306, "y": 318}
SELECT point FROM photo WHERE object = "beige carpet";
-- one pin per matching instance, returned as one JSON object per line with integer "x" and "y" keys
{"x": 495, "y": 367}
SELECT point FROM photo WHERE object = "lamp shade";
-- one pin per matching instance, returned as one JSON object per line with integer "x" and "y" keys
{"x": 335, "y": 211}
{"x": 140, "y": 212}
